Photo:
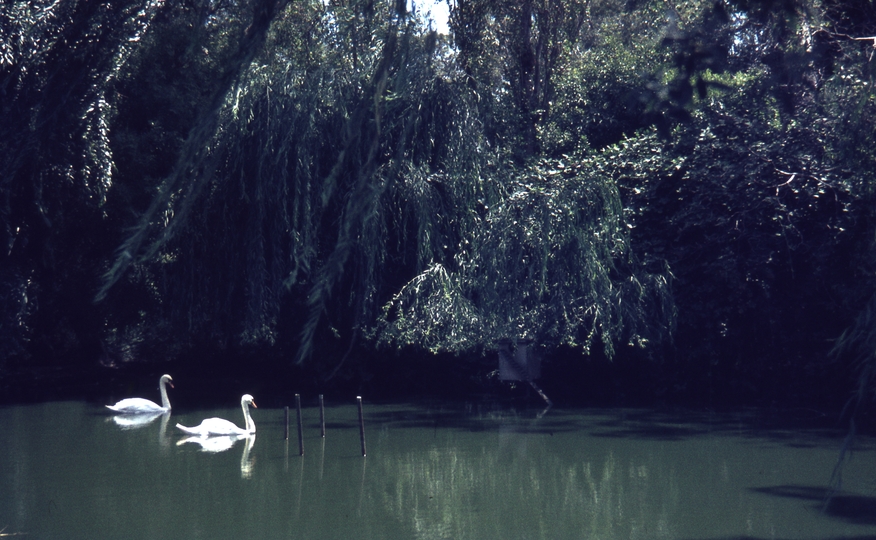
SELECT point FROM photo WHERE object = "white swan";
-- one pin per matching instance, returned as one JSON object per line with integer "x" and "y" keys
{"x": 212, "y": 427}
{"x": 144, "y": 406}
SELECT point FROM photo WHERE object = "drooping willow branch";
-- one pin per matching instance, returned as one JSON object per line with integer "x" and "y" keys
{"x": 365, "y": 193}
{"x": 193, "y": 164}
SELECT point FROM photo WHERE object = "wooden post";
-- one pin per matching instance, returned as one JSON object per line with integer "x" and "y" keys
{"x": 361, "y": 424}
{"x": 542, "y": 394}
{"x": 300, "y": 427}
{"x": 321, "y": 417}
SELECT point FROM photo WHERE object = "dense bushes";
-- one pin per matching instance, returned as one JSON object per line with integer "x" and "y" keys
{"x": 688, "y": 190}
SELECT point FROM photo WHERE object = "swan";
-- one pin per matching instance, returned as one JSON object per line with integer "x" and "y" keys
{"x": 144, "y": 406}
{"x": 212, "y": 427}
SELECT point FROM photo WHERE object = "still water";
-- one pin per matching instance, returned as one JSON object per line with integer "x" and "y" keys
{"x": 71, "y": 471}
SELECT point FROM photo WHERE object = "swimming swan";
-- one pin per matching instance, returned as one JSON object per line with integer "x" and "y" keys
{"x": 144, "y": 406}
{"x": 220, "y": 427}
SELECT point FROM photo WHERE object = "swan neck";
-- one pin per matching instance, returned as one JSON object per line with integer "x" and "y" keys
{"x": 164, "y": 401}
{"x": 250, "y": 425}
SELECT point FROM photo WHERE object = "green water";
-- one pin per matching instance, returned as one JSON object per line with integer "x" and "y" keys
{"x": 70, "y": 472}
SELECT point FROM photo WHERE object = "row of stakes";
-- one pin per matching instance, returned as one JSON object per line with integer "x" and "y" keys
{"x": 321, "y": 422}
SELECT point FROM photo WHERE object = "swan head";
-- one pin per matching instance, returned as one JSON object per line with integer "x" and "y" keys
{"x": 166, "y": 379}
{"x": 248, "y": 400}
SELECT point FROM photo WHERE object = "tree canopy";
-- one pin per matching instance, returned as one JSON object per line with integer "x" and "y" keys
{"x": 685, "y": 185}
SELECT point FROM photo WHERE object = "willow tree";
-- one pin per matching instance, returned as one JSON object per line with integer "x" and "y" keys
{"x": 547, "y": 257}
{"x": 58, "y": 64}
{"x": 354, "y": 187}
{"x": 82, "y": 147}
{"x": 306, "y": 165}
{"x": 550, "y": 261}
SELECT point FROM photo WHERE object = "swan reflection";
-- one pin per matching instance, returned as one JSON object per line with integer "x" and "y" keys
{"x": 226, "y": 442}
{"x": 213, "y": 444}
{"x": 128, "y": 422}
{"x": 137, "y": 421}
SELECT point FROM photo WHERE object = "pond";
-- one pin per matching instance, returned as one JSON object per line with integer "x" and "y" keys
{"x": 73, "y": 471}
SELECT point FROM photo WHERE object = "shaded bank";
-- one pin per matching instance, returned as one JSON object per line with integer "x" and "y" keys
{"x": 213, "y": 377}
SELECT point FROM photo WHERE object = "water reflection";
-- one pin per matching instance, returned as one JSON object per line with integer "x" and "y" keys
{"x": 70, "y": 472}
{"x": 212, "y": 444}
{"x": 137, "y": 421}
{"x": 218, "y": 444}
{"x": 130, "y": 422}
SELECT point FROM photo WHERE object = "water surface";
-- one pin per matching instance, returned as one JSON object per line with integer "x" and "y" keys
{"x": 71, "y": 471}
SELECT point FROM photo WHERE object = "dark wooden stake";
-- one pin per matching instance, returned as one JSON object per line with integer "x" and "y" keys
{"x": 321, "y": 417}
{"x": 300, "y": 427}
{"x": 286, "y": 422}
{"x": 361, "y": 424}
{"x": 542, "y": 394}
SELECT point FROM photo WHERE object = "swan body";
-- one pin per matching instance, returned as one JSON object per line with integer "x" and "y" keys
{"x": 219, "y": 427}
{"x": 144, "y": 406}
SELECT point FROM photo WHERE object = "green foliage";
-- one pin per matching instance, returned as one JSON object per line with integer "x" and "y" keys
{"x": 193, "y": 154}
{"x": 313, "y": 149}
{"x": 303, "y": 174}
{"x": 510, "y": 51}
{"x": 550, "y": 261}
{"x": 599, "y": 83}
{"x": 761, "y": 230}
{"x": 58, "y": 62}
{"x": 362, "y": 163}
